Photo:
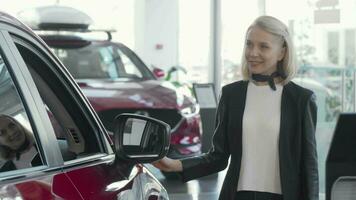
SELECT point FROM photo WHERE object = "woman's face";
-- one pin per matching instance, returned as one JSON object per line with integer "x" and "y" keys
{"x": 262, "y": 51}
{"x": 11, "y": 135}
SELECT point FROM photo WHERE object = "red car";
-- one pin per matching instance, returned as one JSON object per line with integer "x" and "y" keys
{"x": 52, "y": 143}
{"x": 116, "y": 80}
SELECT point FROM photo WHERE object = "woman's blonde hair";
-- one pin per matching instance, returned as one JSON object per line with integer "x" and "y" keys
{"x": 7, "y": 153}
{"x": 279, "y": 29}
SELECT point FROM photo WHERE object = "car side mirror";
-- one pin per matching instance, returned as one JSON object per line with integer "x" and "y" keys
{"x": 140, "y": 138}
{"x": 159, "y": 73}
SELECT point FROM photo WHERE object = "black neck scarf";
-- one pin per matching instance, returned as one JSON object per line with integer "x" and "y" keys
{"x": 270, "y": 78}
{"x": 266, "y": 78}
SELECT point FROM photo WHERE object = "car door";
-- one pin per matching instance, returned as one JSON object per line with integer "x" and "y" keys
{"x": 29, "y": 168}
{"x": 86, "y": 155}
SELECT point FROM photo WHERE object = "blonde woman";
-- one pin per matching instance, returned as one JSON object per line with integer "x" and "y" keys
{"x": 17, "y": 148}
{"x": 265, "y": 124}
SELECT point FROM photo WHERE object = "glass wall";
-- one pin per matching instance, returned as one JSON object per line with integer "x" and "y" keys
{"x": 235, "y": 19}
{"x": 324, "y": 37}
{"x": 194, "y": 40}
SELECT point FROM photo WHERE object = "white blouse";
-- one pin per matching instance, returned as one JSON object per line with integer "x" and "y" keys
{"x": 260, "y": 137}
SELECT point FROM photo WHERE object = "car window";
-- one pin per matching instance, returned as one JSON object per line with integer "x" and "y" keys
{"x": 129, "y": 67}
{"x": 113, "y": 65}
{"x": 18, "y": 144}
{"x": 75, "y": 135}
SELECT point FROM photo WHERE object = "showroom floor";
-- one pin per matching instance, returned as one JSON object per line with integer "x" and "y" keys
{"x": 206, "y": 188}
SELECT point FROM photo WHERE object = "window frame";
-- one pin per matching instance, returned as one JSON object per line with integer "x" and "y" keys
{"x": 65, "y": 105}
{"x": 135, "y": 59}
{"x": 101, "y": 140}
{"x": 29, "y": 104}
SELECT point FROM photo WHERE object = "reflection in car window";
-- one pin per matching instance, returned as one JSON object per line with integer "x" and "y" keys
{"x": 111, "y": 62}
{"x": 130, "y": 67}
{"x": 18, "y": 147}
{"x": 100, "y": 62}
{"x": 75, "y": 136}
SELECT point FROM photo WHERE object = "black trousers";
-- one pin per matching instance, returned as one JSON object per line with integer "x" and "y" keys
{"x": 252, "y": 195}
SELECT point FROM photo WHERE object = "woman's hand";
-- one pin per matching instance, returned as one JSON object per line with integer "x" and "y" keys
{"x": 168, "y": 165}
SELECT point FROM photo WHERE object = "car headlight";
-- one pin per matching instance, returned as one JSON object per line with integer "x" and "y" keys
{"x": 190, "y": 110}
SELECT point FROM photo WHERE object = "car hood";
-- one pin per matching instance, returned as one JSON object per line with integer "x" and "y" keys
{"x": 109, "y": 94}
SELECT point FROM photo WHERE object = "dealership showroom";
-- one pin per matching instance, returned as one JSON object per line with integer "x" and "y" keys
{"x": 178, "y": 99}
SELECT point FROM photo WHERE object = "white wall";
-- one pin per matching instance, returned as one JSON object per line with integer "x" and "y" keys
{"x": 156, "y": 23}
{"x": 115, "y": 14}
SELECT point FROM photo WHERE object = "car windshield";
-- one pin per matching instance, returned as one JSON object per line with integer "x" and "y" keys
{"x": 103, "y": 61}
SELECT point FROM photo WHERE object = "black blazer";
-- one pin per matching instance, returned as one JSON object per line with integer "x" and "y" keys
{"x": 297, "y": 146}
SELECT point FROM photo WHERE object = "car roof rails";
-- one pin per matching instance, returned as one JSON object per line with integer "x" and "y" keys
{"x": 75, "y": 29}
{"x": 108, "y": 32}
{"x": 59, "y": 18}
